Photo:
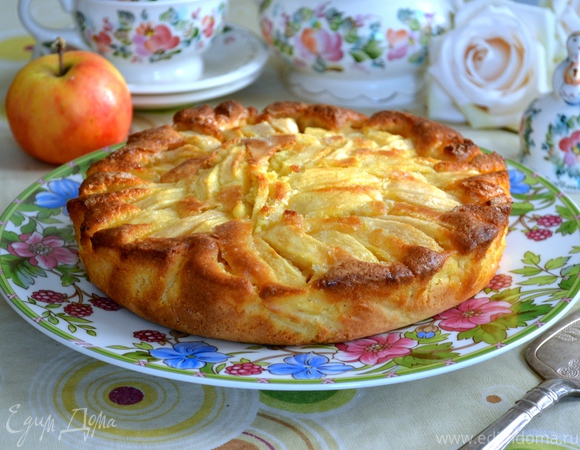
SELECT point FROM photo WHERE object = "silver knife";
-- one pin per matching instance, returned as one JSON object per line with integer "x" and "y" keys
{"x": 555, "y": 356}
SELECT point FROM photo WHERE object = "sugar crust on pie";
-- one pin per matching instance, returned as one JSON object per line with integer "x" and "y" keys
{"x": 292, "y": 225}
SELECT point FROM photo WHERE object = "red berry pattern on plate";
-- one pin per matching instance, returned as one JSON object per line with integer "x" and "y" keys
{"x": 150, "y": 336}
{"x": 78, "y": 310}
{"x": 105, "y": 303}
{"x": 48, "y": 296}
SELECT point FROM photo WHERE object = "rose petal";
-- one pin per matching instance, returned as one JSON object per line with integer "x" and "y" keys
{"x": 482, "y": 118}
{"x": 440, "y": 105}
{"x": 493, "y": 63}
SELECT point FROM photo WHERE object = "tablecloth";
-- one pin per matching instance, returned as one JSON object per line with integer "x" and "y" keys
{"x": 52, "y": 397}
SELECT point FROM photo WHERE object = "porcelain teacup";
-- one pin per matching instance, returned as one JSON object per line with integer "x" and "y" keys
{"x": 150, "y": 42}
{"x": 370, "y": 53}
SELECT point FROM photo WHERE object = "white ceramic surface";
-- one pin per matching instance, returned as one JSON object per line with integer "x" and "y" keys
{"x": 187, "y": 98}
{"x": 536, "y": 284}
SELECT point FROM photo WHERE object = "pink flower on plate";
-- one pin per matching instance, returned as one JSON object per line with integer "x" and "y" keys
{"x": 44, "y": 252}
{"x": 471, "y": 313}
{"x": 322, "y": 43}
{"x": 571, "y": 147}
{"x": 154, "y": 39}
{"x": 375, "y": 349}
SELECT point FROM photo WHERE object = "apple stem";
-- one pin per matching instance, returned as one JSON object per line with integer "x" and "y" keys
{"x": 59, "y": 44}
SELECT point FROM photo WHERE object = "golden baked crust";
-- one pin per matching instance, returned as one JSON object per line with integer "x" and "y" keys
{"x": 297, "y": 224}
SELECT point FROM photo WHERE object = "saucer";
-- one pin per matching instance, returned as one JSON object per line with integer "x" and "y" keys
{"x": 236, "y": 54}
{"x": 160, "y": 101}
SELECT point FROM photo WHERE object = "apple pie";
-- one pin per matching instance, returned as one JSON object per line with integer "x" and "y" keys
{"x": 297, "y": 224}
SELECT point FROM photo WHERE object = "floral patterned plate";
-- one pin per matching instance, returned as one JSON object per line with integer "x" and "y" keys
{"x": 537, "y": 283}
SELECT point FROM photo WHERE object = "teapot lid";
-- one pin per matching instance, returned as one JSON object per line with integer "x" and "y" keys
{"x": 566, "y": 79}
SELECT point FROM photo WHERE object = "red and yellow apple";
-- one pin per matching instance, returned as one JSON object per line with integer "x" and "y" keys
{"x": 58, "y": 116}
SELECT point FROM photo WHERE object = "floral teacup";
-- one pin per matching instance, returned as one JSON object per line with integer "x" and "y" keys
{"x": 149, "y": 42}
{"x": 370, "y": 53}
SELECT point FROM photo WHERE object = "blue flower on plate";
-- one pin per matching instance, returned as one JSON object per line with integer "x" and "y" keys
{"x": 59, "y": 193}
{"x": 425, "y": 334}
{"x": 189, "y": 355}
{"x": 516, "y": 182}
{"x": 308, "y": 366}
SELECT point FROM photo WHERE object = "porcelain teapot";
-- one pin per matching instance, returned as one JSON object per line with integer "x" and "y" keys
{"x": 550, "y": 126}
{"x": 368, "y": 53}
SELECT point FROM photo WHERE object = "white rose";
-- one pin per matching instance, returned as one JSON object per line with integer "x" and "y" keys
{"x": 487, "y": 69}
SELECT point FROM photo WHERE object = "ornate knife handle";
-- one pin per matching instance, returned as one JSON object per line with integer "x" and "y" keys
{"x": 503, "y": 430}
